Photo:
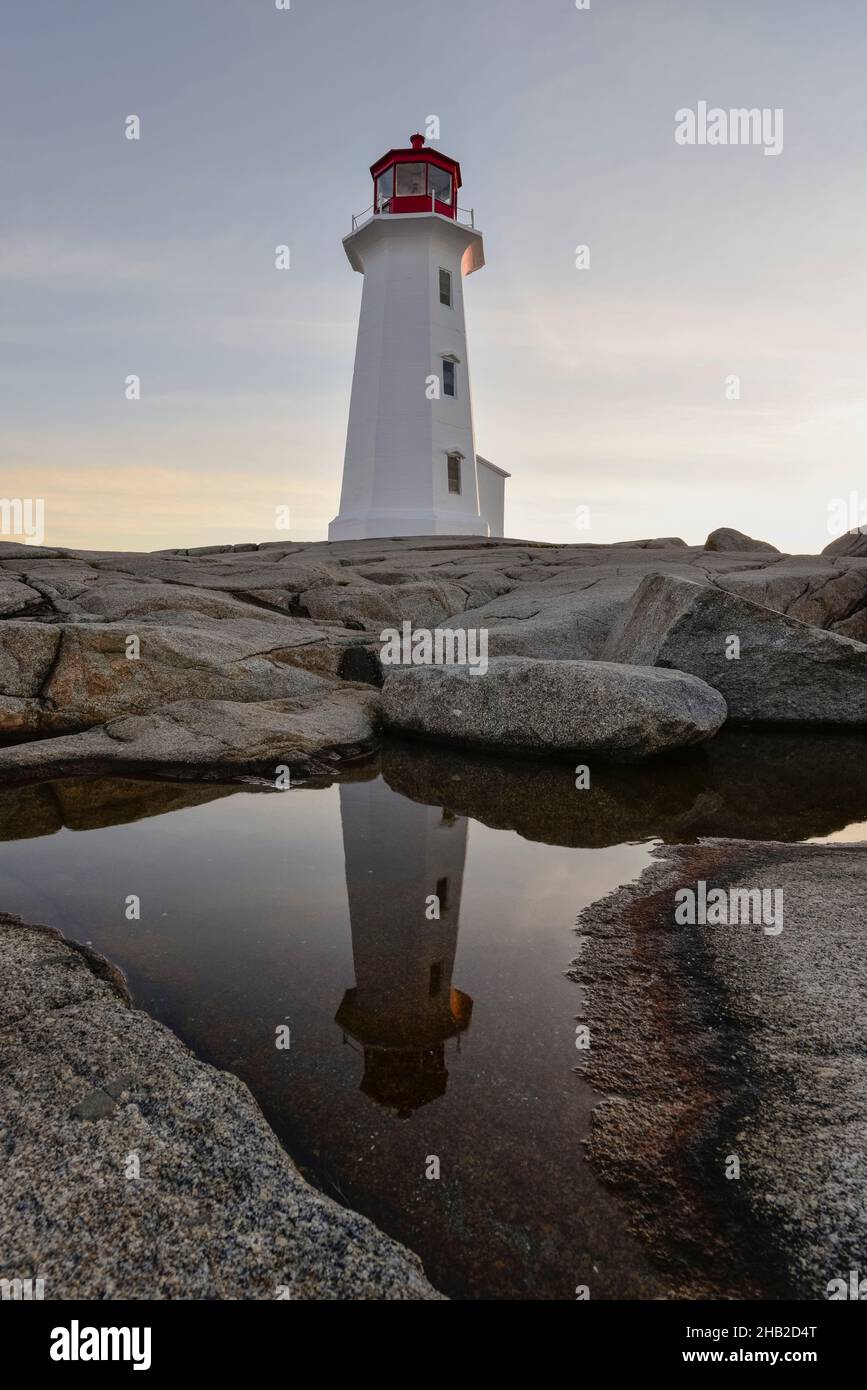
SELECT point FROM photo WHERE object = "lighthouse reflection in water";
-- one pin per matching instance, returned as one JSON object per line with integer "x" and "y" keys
{"x": 403, "y": 1009}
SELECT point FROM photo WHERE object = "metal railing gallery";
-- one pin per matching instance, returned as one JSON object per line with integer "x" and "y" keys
{"x": 466, "y": 216}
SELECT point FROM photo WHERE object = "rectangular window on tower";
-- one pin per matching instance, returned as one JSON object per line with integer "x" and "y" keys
{"x": 454, "y": 472}
{"x": 446, "y": 287}
{"x": 449, "y": 377}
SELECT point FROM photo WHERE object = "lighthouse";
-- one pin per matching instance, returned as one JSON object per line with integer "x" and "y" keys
{"x": 411, "y": 467}
{"x": 403, "y": 1010}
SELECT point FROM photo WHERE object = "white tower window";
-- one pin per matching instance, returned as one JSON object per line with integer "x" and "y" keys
{"x": 450, "y": 379}
{"x": 446, "y": 287}
{"x": 454, "y": 462}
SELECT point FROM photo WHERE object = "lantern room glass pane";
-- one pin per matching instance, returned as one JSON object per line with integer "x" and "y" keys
{"x": 440, "y": 184}
{"x": 384, "y": 188}
{"x": 411, "y": 180}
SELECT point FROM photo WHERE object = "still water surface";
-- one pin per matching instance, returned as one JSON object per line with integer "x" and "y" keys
{"x": 410, "y": 1038}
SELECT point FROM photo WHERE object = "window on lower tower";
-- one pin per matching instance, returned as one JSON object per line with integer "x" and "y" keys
{"x": 449, "y": 377}
{"x": 454, "y": 472}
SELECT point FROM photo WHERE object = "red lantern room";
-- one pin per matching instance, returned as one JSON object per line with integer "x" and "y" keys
{"x": 416, "y": 180}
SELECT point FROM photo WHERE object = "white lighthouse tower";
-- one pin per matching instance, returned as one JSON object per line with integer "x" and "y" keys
{"x": 411, "y": 467}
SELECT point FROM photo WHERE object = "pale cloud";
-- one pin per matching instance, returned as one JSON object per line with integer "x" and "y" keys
{"x": 231, "y": 497}
{"x": 600, "y": 387}
{"x": 46, "y": 261}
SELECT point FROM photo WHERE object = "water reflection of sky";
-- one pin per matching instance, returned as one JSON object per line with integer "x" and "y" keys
{"x": 411, "y": 1037}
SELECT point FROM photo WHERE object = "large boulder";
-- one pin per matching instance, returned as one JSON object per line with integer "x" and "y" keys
{"x": 770, "y": 668}
{"x": 568, "y": 621}
{"x": 655, "y": 543}
{"x": 220, "y": 1210}
{"x": 27, "y": 655}
{"x": 850, "y": 543}
{"x": 554, "y": 707}
{"x": 67, "y": 676}
{"x": 854, "y": 626}
{"x": 816, "y": 592}
{"x": 726, "y": 538}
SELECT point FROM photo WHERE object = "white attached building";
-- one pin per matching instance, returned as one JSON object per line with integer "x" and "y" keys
{"x": 411, "y": 467}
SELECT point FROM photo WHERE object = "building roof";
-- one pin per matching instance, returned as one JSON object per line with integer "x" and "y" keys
{"x": 418, "y": 149}
{"x": 486, "y": 463}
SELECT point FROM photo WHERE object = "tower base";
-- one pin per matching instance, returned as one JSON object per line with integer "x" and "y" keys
{"x": 393, "y": 525}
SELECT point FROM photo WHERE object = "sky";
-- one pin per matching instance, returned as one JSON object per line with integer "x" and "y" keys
{"x": 606, "y": 391}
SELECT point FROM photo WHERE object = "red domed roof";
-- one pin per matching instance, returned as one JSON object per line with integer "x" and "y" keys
{"x": 418, "y": 150}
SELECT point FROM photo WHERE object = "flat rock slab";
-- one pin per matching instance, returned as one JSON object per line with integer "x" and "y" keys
{"x": 309, "y": 735}
{"x": 713, "y": 1042}
{"x": 248, "y": 623}
{"x": 94, "y": 1092}
{"x": 70, "y": 676}
{"x": 554, "y": 707}
{"x": 373, "y": 606}
{"x": 780, "y": 671}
